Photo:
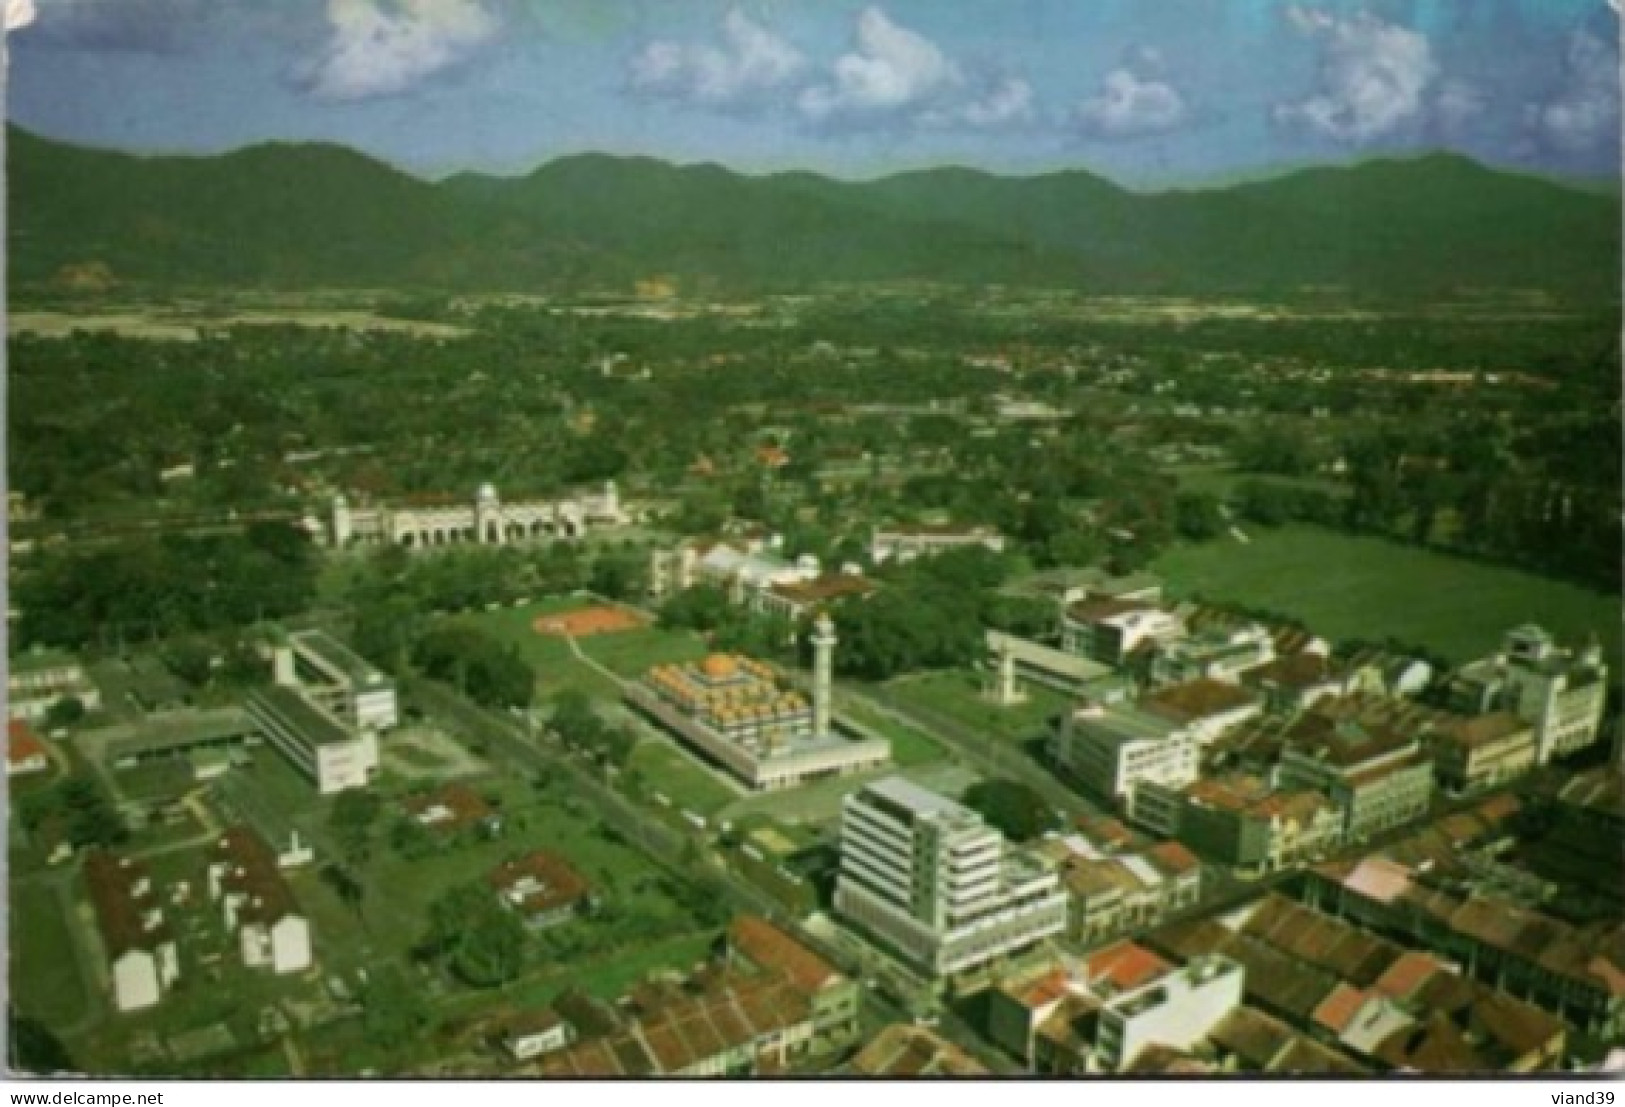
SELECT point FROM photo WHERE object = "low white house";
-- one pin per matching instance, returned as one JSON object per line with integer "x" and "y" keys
{"x": 245, "y": 879}
{"x": 140, "y": 947}
{"x": 536, "y": 1032}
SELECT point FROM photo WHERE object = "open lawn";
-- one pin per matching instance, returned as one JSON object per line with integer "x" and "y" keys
{"x": 675, "y": 775}
{"x": 556, "y": 665}
{"x": 45, "y": 980}
{"x": 633, "y": 653}
{"x": 1346, "y": 586}
{"x": 959, "y": 695}
{"x": 909, "y": 746}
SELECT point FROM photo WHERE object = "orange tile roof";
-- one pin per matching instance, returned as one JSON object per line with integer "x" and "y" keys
{"x": 22, "y": 745}
{"x": 559, "y": 884}
{"x": 1197, "y": 699}
{"x": 1173, "y": 858}
{"x": 1125, "y": 965}
{"x": 769, "y": 947}
{"x": 1337, "y": 1010}
{"x": 1408, "y": 974}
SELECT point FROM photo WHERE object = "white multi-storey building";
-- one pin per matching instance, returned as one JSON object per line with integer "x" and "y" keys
{"x": 1112, "y": 749}
{"x": 1176, "y": 1011}
{"x": 1562, "y": 692}
{"x": 320, "y": 746}
{"x": 935, "y": 882}
{"x": 339, "y": 680}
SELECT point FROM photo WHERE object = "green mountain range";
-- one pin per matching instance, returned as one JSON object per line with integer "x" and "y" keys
{"x": 306, "y": 215}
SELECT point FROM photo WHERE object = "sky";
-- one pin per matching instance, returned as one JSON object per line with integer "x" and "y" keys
{"x": 1151, "y": 93}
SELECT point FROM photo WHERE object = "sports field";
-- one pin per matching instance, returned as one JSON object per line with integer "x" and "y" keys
{"x": 1345, "y": 586}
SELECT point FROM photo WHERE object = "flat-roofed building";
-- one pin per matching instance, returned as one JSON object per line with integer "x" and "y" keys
{"x": 1214, "y": 653}
{"x": 1379, "y": 776}
{"x": 137, "y": 939}
{"x": 1245, "y": 821}
{"x": 904, "y": 544}
{"x": 36, "y": 680}
{"x": 246, "y": 880}
{"x": 342, "y": 681}
{"x": 1109, "y": 629}
{"x": 1471, "y": 754}
{"x": 1205, "y": 708}
{"x": 320, "y": 746}
{"x": 1112, "y": 749}
{"x": 935, "y": 882}
{"x": 1176, "y": 1011}
{"x": 1562, "y": 692}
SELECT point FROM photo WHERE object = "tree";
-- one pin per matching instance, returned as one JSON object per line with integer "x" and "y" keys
{"x": 1197, "y": 516}
{"x": 1014, "y": 809}
{"x": 64, "y": 712}
{"x": 475, "y": 937}
{"x": 412, "y": 840}
{"x": 394, "y": 1013}
{"x": 34, "y": 1048}
{"x": 92, "y": 818}
{"x": 354, "y": 812}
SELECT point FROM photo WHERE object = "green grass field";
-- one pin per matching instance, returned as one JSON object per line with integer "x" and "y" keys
{"x": 959, "y": 696}
{"x": 628, "y": 653}
{"x": 45, "y": 980}
{"x": 674, "y": 774}
{"x": 908, "y": 745}
{"x": 1346, "y": 586}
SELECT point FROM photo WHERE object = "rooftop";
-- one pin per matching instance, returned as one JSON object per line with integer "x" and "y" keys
{"x": 311, "y": 722}
{"x": 22, "y": 744}
{"x": 902, "y": 1051}
{"x": 538, "y": 883}
{"x": 128, "y": 912}
{"x": 250, "y": 870}
{"x": 336, "y": 655}
{"x": 1199, "y": 699}
{"x": 767, "y": 946}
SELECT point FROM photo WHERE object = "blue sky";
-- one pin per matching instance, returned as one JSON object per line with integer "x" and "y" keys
{"x": 1149, "y": 92}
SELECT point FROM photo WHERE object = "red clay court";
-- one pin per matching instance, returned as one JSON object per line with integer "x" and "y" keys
{"x": 586, "y": 621}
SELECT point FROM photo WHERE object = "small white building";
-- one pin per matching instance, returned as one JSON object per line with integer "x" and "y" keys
{"x": 1176, "y": 1011}
{"x": 138, "y": 942}
{"x": 256, "y": 902}
{"x": 904, "y": 544}
{"x": 534, "y": 1033}
{"x": 38, "y": 679}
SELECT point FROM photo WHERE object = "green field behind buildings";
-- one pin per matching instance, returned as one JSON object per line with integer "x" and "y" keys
{"x": 1347, "y": 586}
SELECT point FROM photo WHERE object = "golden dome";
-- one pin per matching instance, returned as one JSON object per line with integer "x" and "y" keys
{"x": 719, "y": 666}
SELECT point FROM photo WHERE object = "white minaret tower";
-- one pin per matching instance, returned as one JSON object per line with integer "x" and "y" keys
{"x": 487, "y": 515}
{"x": 823, "y": 642}
{"x": 343, "y": 528}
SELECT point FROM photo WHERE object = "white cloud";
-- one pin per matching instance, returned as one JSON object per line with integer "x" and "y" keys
{"x": 19, "y": 13}
{"x": 1009, "y": 103}
{"x": 1374, "y": 76}
{"x": 751, "y": 60}
{"x": 891, "y": 72}
{"x": 383, "y": 47}
{"x": 1128, "y": 106}
{"x": 1585, "y": 111}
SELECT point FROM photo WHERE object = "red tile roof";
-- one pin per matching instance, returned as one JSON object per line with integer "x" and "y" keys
{"x": 902, "y": 1051}
{"x": 1199, "y": 699}
{"x": 123, "y": 911}
{"x": 1125, "y": 966}
{"x": 539, "y": 883}
{"x": 22, "y": 744}
{"x": 1408, "y": 974}
{"x": 250, "y": 870}
{"x": 1337, "y": 1010}
{"x": 769, "y": 947}
{"x": 1173, "y": 859}
{"x": 463, "y": 807}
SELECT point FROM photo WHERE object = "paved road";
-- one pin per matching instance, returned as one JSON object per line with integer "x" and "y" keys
{"x": 994, "y": 756}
